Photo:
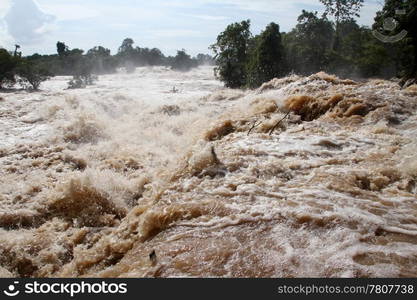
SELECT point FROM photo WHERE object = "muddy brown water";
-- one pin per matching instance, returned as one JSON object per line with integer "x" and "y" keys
{"x": 93, "y": 181}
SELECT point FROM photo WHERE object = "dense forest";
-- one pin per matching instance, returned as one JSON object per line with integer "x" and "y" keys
{"x": 338, "y": 46}
{"x": 30, "y": 71}
{"x": 332, "y": 42}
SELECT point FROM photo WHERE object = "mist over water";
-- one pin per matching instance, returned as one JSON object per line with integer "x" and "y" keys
{"x": 93, "y": 180}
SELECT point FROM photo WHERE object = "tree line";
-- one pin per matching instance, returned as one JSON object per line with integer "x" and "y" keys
{"x": 30, "y": 71}
{"x": 340, "y": 47}
{"x": 317, "y": 43}
{"x": 15, "y": 69}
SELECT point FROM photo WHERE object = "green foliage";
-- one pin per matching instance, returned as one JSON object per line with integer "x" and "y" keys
{"x": 266, "y": 60}
{"x": 152, "y": 57}
{"x": 82, "y": 76}
{"x": 374, "y": 60}
{"x": 130, "y": 57}
{"x": 126, "y": 49}
{"x": 7, "y": 66}
{"x": 61, "y": 48}
{"x": 204, "y": 59}
{"x": 101, "y": 60}
{"x": 308, "y": 45}
{"x": 27, "y": 72}
{"x": 342, "y": 10}
{"x": 31, "y": 74}
{"x": 81, "y": 81}
{"x": 231, "y": 51}
{"x": 405, "y": 51}
{"x": 315, "y": 44}
{"x": 246, "y": 61}
{"x": 126, "y": 55}
{"x": 183, "y": 62}
{"x": 32, "y": 70}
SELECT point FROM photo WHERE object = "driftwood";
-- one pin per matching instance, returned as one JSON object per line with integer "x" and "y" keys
{"x": 408, "y": 83}
{"x": 215, "y": 158}
{"x": 152, "y": 257}
{"x": 254, "y": 125}
{"x": 279, "y": 122}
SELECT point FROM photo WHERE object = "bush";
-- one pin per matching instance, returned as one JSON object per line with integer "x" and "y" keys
{"x": 81, "y": 81}
{"x": 82, "y": 77}
{"x": 7, "y": 66}
{"x": 183, "y": 62}
{"x": 31, "y": 74}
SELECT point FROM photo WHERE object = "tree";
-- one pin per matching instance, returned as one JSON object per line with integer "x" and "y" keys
{"x": 68, "y": 59}
{"x": 127, "y": 46}
{"x": 267, "y": 59}
{"x": 32, "y": 74}
{"x": 7, "y": 66}
{"x": 183, "y": 62}
{"x": 308, "y": 45}
{"x": 82, "y": 75}
{"x": 343, "y": 61}
{"x": 16, "y": 53}
{"x": 204, "y": 59}
{"x": 155, "y": 57}
{"x": 79, "y": 66}
{"x": 373, "y": 59}
{"x": 403, "y": 15}
{"x": 74, "y": 61}
{"x": 98, "y": 51}
{"x": 342, "y": 10}
{"x": 62, "y": 49}
{"x": 127, "y": 55}
{"x": 231, "y": 51}
{"x": 101, "y": 60}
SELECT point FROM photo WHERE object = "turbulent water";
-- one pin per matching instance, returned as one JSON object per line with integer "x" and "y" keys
{"x": 92, "y": 181}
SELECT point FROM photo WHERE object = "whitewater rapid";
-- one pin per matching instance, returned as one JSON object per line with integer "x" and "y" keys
{"x": 94, "y": 180}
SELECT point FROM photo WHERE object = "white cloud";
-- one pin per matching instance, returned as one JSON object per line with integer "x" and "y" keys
{"x": 121, "y": 25}
{"x": 70, "y": 11}
{"x": 208, "y": 17}
{"x": 168, "y": 24}
{"x": 283, "y": 9}
{"x": 263, "y": 6}
{"x": 6, "y": 40}
{"x": 4, "y": 7}
{"x": 168, "y": 33}
{"x": 46, "y": 28}
{"x": 108, "y": 10}
{"x": 26, "y": 23}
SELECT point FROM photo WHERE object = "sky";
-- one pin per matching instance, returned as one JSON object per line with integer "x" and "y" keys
{"x": 170, "y": 25}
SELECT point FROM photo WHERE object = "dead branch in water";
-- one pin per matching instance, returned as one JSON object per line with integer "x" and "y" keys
{"x": 276, "y": 125}
{"x": 254, "y": 125}
{"x": 213, "y": 153}
{"x": 405, "y": 83}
